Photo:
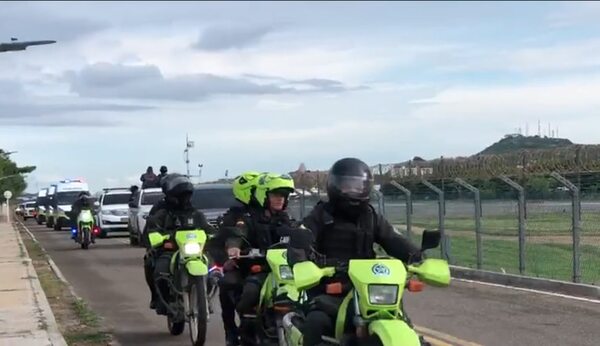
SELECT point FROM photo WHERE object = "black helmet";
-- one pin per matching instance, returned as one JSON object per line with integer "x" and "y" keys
{"x": 177, "y": 188}
{"x": 163, "y": 169}
{"x": 349, "y": 180}
{"x": 84, "y": 194}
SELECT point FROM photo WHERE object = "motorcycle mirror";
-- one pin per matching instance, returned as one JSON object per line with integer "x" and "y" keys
{"x": 430, "y": 240}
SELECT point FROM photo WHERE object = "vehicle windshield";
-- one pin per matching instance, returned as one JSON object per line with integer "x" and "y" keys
{"x": 213, "y": 199}
{"x": 66, "y": 198}
{"x": 120, "y": 198}
{"x": 29, "y": 205}
{"x": 149, "y": 198}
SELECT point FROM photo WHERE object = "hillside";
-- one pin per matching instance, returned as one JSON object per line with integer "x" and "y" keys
{"x": 513, "y": 143}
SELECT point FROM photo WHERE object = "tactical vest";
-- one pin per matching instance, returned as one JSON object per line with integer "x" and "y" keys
{"x": 342, "y": 239}
{"x": 265, "y": 230}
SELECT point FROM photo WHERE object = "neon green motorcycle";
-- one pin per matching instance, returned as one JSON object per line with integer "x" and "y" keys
{"x": 376, "y": 297}
{"x": 186, "y": 281}
{"x": 277, "y": 296}
{"x": 85, "y": 232}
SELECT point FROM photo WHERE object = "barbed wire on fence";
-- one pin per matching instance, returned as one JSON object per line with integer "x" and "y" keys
{"x": 575, "y": 159}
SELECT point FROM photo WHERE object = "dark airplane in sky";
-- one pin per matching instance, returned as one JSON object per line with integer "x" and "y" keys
{"x": 15, "y": 45}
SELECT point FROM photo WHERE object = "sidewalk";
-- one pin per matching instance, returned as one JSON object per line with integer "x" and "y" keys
{"x": 25, "y": 315}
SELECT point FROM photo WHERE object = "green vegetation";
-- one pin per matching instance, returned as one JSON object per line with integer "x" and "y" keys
{"x": 548, "y": 250}
{"x": 15, "y": 183}
{"x": 551, "y": 261}
{"x": 512, "y": 143}
{"x": 539, "y": 224}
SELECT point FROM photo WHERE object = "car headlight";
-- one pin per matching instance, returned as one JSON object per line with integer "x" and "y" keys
{"x": 383, "y": 294}
{"x": 191, "y": 249}
{"x": 286, "y": 273}
{"x": 105, "y": 212}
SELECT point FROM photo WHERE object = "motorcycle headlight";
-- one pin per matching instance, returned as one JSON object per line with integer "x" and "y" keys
{"x": 191, "y": 249}
{"x": 286, "y": 273}
{"x": 383, "y": 294}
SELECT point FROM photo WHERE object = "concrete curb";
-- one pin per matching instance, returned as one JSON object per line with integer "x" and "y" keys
{"x": 58, "y": 273}
{"x": 547, "y": 285}
{"x": 54, "y": 335}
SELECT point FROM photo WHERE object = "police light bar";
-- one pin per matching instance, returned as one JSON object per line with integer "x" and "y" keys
{"x": 72, "y": 181}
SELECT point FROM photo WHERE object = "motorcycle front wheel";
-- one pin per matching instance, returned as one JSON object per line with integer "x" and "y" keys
{"x": 198, "y": 314}
{"x": 85, "y": 241}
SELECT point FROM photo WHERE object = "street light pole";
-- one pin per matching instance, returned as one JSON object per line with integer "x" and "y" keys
{"x": 200, "y": 165}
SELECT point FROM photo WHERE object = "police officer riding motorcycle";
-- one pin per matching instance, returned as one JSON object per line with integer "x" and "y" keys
{"x": 343, "y": 228}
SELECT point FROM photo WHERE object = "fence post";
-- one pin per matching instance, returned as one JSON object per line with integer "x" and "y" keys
{"x": 379, "y": 195}
{"x": 477, "y": 201}
{"x": 575, "y": 222}
{"x": 445, "y": 246}
{"x": 408, "y": 195}
{"x": 521, "y": 205}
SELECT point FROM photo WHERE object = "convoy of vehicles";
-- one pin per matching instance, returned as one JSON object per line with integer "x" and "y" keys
{"x": 375, "y": 300}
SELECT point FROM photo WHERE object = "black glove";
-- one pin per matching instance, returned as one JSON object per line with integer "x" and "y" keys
{"x": 301, "y": 238}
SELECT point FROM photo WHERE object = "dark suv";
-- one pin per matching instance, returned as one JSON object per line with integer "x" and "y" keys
{"x": 213, "y": 200}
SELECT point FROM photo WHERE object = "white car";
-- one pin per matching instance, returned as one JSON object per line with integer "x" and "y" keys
{"x": 112, "y": 211}
{"x": 139, "y": 207}
{"x": 28, "y": 210}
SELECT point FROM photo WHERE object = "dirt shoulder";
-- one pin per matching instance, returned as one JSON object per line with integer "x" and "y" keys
{"x": 79, "y": 325}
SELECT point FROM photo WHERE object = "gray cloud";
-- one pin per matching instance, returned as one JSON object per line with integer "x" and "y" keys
{"x": 106, "y": 80}
{"x": 222, "y": 37}
{"x": 28, "y": 21}
{"x": 18, "y": 108}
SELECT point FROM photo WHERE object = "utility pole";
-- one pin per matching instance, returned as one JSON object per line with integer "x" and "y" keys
{"x": 188, "y": 145}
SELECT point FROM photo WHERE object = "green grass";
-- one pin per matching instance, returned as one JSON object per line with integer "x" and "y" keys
{"x": 551, "y": 261}
{"x": 536, "y": 224}
{"x": 86, "y": 316}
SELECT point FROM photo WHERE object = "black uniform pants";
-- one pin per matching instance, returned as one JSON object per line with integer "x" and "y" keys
{"x": 230, "y": 289}
{"x": 157, "y": 263}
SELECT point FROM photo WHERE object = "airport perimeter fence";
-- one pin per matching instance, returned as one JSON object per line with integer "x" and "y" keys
{"x": 533, "y": 213}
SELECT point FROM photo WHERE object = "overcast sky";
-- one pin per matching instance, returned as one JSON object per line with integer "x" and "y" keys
{"x": 267, "y": 86}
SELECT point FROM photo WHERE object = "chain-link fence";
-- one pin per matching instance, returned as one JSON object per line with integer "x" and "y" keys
{"x": 534, "y": 213}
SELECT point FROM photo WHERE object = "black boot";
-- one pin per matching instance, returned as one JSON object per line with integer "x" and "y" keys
{"x": 232, "y": 337}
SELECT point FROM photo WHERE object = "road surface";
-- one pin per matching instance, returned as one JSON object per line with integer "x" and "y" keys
{"x": 110, "y": 278}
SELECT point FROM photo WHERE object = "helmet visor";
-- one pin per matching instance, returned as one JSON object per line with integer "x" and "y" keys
{"x": 352, "y": 187}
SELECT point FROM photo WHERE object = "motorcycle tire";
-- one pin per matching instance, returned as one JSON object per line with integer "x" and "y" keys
{"x": 85, "y": 242}
{"x": 198, "y": 317}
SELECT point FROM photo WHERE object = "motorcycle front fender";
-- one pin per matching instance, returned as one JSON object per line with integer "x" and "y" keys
{"x": 196, "y": 267}
{"x": 394, "y": 332}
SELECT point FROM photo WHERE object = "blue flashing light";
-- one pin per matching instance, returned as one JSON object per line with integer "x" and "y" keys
{"x": 73, "y": 231}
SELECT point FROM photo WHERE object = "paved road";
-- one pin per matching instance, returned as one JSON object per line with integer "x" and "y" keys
{"x": 110, "y": 277}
